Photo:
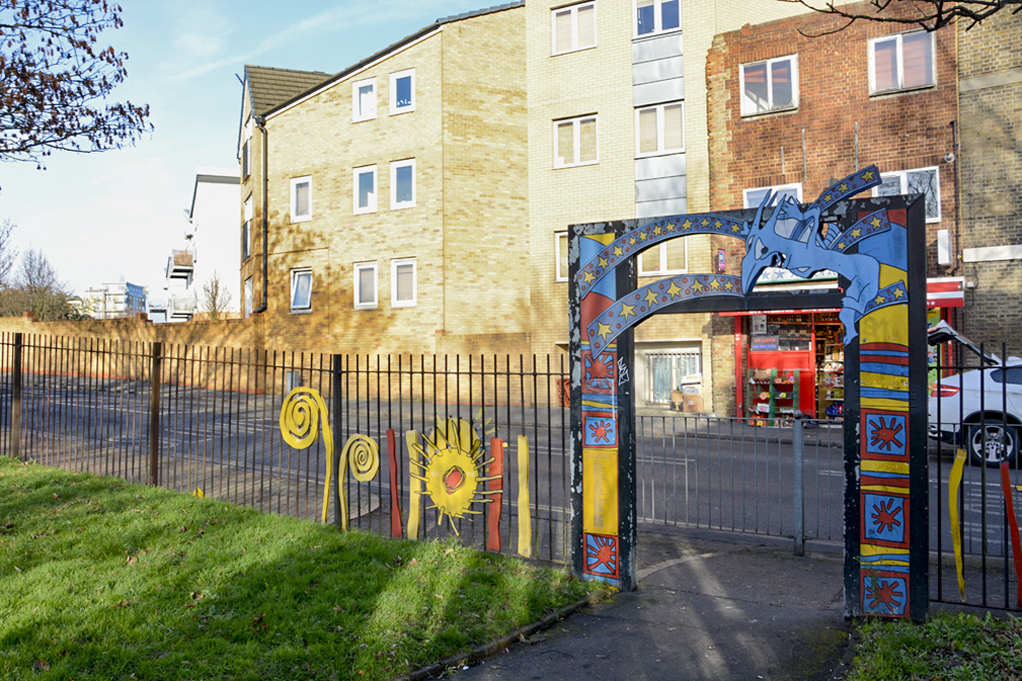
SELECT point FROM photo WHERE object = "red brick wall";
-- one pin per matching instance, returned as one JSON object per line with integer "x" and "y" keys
{"x": 902, "y": 131}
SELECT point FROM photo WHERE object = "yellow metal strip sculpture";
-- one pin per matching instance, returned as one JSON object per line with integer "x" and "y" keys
{"x": 363, "y": 454}
{"x": 414, "y": 485}
{"x": 524, "y": 513}
{"x": 954, "y": 484}
{"x": 299, "y": 425}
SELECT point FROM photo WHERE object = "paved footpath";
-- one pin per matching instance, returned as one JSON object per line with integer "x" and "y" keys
{"x": 708, "y": 606}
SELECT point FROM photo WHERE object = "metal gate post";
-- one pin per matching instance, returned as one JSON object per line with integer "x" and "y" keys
{"x": 799, "y": 506}
{"x": 154, "y": 414}
{"x": 337, "y": 372}
{"x": 16, "y": 399}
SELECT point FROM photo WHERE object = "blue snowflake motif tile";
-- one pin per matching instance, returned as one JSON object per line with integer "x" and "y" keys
{"x": 886, "y": 518}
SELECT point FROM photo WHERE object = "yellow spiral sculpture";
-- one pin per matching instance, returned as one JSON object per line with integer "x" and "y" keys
{"x": 299, "y": 425}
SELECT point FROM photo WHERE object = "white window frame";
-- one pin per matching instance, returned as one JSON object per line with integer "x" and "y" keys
{"x": 577, "y": 141}
{"x": 246, "y": 151}
{"x": 659, "y": 252}
{"x": 748, "y": 107}
{"x": 357, "y": 114}
{"x": 658, "y": 19}
{"x": 558, "y": 274}
{"x": 903, "y": 176}
{"x": 394, "y": 108}
{"x": 394, "y": 264}
{"x": 900, "y": 87}
{"x": 295, "y": 181}
{"x": 775, "y": 188}
{"x": 356, "y": 174}
{"x": 248, "y": 297}
{"x": 357, "y": 268}
{"x": 394, "y": 166}
{"x": 661, "y": 149}
{"x": 296, "y": 275}
{"x": 573, "y": 10}
{"x": 246, "y": 230}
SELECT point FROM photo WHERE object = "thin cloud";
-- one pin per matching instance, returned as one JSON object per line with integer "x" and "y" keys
{"x": 347, "y": 18}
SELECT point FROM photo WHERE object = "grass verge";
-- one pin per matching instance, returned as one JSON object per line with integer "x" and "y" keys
{"x": 102, "y": 579}
{"x": 949, "y": 647}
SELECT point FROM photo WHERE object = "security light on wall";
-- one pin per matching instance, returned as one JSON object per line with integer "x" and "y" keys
{"x": 943, "y": 247}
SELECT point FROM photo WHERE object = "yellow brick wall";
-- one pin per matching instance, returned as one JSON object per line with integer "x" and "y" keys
{"x": 467, "y": 227}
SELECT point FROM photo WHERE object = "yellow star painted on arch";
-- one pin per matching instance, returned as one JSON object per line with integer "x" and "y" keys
{"x": 876, "y": 221}
{"x": 899, "y": 293}
{"x": 603, "y": 262}
{"x": 856, "y": 233}
{"x": 589, "y": 277}
{"x": 868, "y": 175}
{"x": 618, "y": 252}
{"x": 729, "y": 285}
{"x": 736, "y": 228}
{"x": 642, "y": 236}
{"x": 687, "y": 224}
{"x": 670, "y": 226}
{"x": 705, "y": 222}
{"x": 718, "y": 224}
{"x": 631, "y": 241}
{"x": 696, "y": 286}
{"x": 842, "y": 246}
{"x": 879, "y": 300}
{"x": 715, "y": 285}
{"x": 651, "y": 298}
{"x": 627, "y": 310}
{"x": 604, "y": 330}
{"x": 674, "y": 290}
{"x": 828, "y": 198}
{"x": 656, "y": 231}
{"x": 843, "y": 187}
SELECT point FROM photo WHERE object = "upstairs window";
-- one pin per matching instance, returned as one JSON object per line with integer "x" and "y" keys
{"x": 901, "y": 62}
{"x": 248, "y": 297}
{"x": 365, "y": 285}
{"x": 365, "y": 189}
{"x": 574, "y": 28}
{"x": 363, "y": 100}
{"x": 301, "y": 290}
{"x": 575, "y": 142}
{"x": 246, "y": 151}
{"x": 561, "y": 255}
{"x": 660, "y": 129}
{"x": 670, "y": 257}
{"x": 657, "y": 16}
{"x": 403, "y": 283}
{"x": 402, "y": 184}
{"x": 301, "y": 199}
{"x": 919, "y": 181}
{"x": 246, "y": 230}
{"x": 402, "y": 91}
{"x": 755, "y": 195}
{"x": 770, "y": 85}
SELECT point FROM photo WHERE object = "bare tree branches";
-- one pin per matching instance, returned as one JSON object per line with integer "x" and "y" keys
{"x": 928, "y": 14}
{"x": 36, "y": 289}
{"x": 216, "y": 297}
{"x": 55, "y": 76}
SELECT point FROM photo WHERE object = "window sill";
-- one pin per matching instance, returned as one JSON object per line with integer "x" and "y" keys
{"x": 576, "y": 50}
{"x": 398, "y": 112}
{"x": 901, "y": 91}
{"x": 366, "y": 307}
{"x": 577, "y": 165}
{"x": 301, "y": 219}
{"x": 402, "y": 206}
{"x": 656, "y": 34}
{"x": 771, "y": 112}
{"x": 365, "y": 211}
{"x": 397, "y": 305}
{"x": 363, "y": 120}
{"x": 654, "y": 154}
{"x": 301, "y": 311}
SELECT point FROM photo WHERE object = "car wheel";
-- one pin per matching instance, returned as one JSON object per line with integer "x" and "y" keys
{"x": 990, "y": 442}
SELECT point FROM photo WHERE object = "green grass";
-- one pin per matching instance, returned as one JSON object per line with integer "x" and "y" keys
{"x": 949, "y": 647}
{"x": 100, "y": 579}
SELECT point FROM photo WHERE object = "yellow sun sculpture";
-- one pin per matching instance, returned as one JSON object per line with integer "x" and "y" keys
{"x": 451, "y": 466}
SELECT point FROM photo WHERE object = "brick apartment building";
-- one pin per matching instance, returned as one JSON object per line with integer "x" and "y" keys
{"x": 395, "y": 195}
{"x": 791, "y": 113}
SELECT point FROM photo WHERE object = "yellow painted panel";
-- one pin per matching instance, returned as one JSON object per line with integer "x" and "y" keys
{"x": 885, "y": 466}
{"x": 605, "y": 239}
{"x": 868, "y": 550}
{"x": 524, "y": 507}
{"x": 883, "y": 403}
{"x": 599, "y": 491}
{"x": 885, "y": 381}
{"x": 414, "y": 484}
{"x": 885, "y": 489}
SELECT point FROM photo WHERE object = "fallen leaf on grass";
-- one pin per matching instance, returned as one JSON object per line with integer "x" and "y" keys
{"x": 448, "y": 552}
{"x": 131, "y": 560}
{"x": 122, "y": 604}
{"x": 42, "y": 665}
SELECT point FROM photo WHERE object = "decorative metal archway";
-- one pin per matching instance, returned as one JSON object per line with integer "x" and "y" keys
{"x": 877, "y": 247}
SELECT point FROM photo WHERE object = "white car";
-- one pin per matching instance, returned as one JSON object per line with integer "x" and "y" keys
{"x": 981, "y": 409}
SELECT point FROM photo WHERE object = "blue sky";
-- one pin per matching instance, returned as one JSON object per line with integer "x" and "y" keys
{"x": 99, "y": 217}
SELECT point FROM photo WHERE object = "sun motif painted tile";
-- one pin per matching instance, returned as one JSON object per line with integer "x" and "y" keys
{"x": 885, "y": 520}
{"x": 884, "y": 594}
{"x": 886, "y": 434}
{"x": 601, "y": 555}
{"x": 599, "y": 430}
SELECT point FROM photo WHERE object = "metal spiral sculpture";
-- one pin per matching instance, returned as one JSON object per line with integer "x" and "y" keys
{"x": 299, "y": 425}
